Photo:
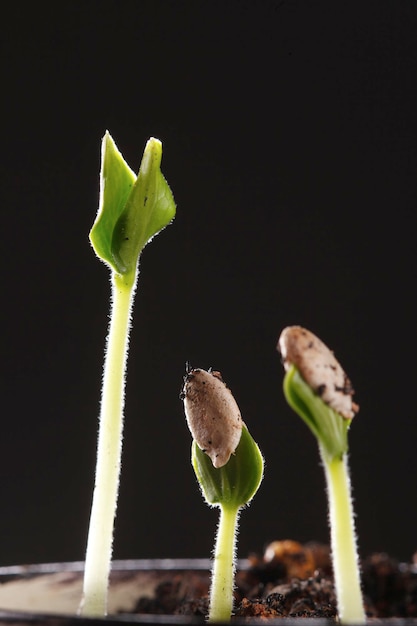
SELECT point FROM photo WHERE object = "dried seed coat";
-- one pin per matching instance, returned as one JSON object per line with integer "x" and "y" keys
{"x": 319, "y": 368}
{"x": 213, "y": 416}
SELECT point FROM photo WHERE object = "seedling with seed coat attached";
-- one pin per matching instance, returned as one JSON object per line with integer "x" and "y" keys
{"x": 317, "y": 388}
{"x": 229, "y": 468}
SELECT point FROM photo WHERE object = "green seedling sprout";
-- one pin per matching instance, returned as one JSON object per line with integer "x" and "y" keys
{"x": 229, "y": 469}
{"x": 317, "y": 388}
{"x": 132, "y": 210}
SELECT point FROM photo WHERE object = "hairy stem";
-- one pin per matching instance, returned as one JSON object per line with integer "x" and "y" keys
{"x": 343, "y": 540}
{"x": 109, "y": 448}
{"x": 222, "y": 582}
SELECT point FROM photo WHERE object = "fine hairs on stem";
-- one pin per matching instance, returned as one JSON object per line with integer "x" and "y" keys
{"x": 109, "y": 451}
{"x": 223, "y": 576}
{"x": 132, "y": 210}
{"x": 343, "y": 541}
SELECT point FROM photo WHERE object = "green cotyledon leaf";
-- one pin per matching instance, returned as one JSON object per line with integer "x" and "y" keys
{"x": 116, "y": 182}
{"x": 149, "y": 208}
{"x": 132, "y": 209}
{"x": 329, "y": 427}
{"x": 235, "y": 483}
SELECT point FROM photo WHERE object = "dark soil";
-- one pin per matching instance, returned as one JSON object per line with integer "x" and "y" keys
{"x": 293, "y": 580}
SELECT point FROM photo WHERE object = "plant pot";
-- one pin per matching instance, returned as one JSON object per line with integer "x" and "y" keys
{"x": 48, "y": 594}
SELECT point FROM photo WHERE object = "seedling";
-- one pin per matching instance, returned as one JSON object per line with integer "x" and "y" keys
{"x": 229, "y": 468}
{"x": 317, "y": 388}
{"x": 131, "y": 211}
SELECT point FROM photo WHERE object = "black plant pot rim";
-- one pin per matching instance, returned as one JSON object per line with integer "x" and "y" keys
{"x": 23, "y": 618}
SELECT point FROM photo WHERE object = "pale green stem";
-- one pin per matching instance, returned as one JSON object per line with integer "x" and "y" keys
{"x": 109, "y": 448}
{"x": 222, "y": 581}
{"x": 343, "y": 540}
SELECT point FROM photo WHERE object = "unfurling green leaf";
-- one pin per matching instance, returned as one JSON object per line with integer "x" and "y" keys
{"x": 233, "y": 484}
{"x": 116, "y": 182}
{"x": 132, "y": 209}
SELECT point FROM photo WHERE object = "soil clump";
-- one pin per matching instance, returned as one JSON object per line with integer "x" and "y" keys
{"x": 293, "y": 580}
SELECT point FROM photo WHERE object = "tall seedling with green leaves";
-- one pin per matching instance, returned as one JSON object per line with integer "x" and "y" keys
{"x": 132, "y": 210}
{"x": 229, "y": 468}
{"x": 317, "y": 388}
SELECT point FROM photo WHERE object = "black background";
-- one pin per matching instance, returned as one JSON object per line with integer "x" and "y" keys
{"x": 289, "y": 133}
